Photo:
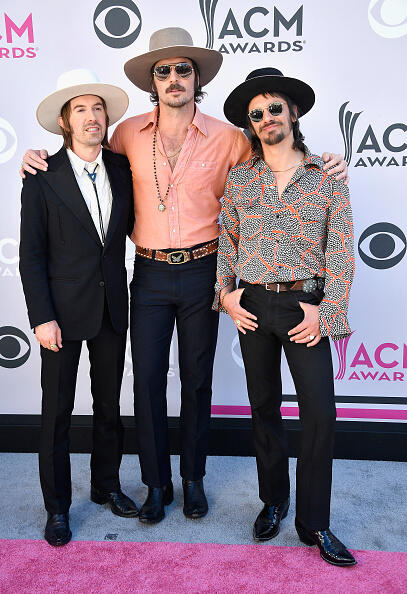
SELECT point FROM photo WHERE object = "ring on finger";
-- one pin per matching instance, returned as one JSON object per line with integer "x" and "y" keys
{"x": 311, "y": 337}
{"x": 237, "y": 322}
{"x": 52, "y": 346}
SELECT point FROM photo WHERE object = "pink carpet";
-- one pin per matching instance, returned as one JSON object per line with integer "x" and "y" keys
{"x": 28, "y": 566}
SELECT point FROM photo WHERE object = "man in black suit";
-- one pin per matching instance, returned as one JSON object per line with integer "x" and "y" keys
{"x": 74, "y": 221}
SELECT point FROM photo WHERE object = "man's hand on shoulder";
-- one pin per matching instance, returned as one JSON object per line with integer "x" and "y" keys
{"x": 49, "y": 336}
{"x": 339, "y": 166}
{"x": 32, "y": 161}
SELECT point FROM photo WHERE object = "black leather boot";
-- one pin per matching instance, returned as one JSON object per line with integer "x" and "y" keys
{"x": 120, "y": 504}
{"x": 267, "y": 524}
{"x": 57, "y": 531}
{"x": 195, "y": 502}
{"x": 332, "y": 550}
{"x": 152, "y": 510}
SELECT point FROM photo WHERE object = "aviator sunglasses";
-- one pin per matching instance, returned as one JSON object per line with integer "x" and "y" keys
{"x": 183, "y": 69}
{"x": 256, "y": 115}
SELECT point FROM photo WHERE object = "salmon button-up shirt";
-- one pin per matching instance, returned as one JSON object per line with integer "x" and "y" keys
{"x": 211, "y": 148}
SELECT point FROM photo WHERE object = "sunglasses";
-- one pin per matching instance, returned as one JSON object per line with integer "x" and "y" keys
{"x": 256, "y": 115}
{"x": 183, "y": 69}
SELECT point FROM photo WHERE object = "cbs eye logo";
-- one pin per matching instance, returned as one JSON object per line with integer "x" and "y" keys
{"x": 382, "y": 245}
{"x": 388, "y": 18}
{"x": 117, "y": 22}
{"x": 15, "y": 348}
{"x": 8, "y": 141}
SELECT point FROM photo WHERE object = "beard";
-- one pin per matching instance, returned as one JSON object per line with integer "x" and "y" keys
{"x": 274, "y": 138}
{"x": 176, "y": 101}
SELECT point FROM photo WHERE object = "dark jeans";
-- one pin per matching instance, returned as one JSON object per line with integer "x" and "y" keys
{"x": 58, "y": 380}
{"x": 311, "y": 369}
{"x": 162, "y": 295}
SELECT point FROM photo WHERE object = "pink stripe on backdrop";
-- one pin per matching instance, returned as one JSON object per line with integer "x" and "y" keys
{"x": 33, "y": 567}
{"x": 292, "y": 411}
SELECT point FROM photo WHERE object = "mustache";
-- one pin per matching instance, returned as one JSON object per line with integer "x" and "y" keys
{"x": 174, "y": 87}
{"x": 269, "y": 124}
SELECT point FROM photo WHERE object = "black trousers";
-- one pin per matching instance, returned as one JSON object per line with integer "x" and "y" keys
{"x": 162, "y": 295}
{"x": 58, "y": 380}
{"x": 311, "y": 370}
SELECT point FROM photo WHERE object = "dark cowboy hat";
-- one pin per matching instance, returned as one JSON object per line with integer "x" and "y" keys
{"x": 265, "y": 80}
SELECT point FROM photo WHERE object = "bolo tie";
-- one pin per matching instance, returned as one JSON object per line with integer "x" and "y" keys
{"x": 92, "y": 177}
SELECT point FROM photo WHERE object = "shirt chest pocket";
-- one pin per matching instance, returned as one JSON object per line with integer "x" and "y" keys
{"x": 201, "y": 173}
{"x": 308, "y": 220}
{"x": 250, "y": 216}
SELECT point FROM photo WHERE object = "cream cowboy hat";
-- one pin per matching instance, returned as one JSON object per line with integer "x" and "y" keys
{"x": 172, "y": 42}
{"x": 73, "y": 84}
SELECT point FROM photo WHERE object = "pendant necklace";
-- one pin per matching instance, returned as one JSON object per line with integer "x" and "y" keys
{"x": 161, "y": 207}
{"x": 288, "y": 169}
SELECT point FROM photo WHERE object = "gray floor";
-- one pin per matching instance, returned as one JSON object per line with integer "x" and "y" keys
{"x": 369, "y": 504}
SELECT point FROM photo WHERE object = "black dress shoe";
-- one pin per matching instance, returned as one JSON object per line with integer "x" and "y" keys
{"x": 120, "y": 504}
{"x": 57, "y": 531}
{"x": 267, "y": 524}
{"x": 152, "y": 510}
{"x": 195, "y": 502}
{"x": 332, "y": 550}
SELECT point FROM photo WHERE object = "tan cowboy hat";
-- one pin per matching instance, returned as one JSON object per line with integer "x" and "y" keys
{"x": 172, "y": 42}
{"x": 73, "y": 84}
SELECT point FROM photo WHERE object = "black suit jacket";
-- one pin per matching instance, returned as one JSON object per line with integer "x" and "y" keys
{"x": 65, "y": 269}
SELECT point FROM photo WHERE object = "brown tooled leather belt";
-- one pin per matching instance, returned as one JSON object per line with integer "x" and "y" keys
{"x": 178, "y": 256}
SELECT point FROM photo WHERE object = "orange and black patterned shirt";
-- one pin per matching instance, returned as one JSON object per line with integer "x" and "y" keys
{"x": 308, "y": 233}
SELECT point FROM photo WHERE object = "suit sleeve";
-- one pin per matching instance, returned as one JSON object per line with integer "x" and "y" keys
{"x": 34, "y": 253}
{"x": 339, "y": 265}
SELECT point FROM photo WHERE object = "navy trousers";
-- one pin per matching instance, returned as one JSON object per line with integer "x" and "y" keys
{"x": 163, "y": 295}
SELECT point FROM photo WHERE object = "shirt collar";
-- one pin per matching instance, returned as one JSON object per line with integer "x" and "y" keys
{"x": 150, "y": 119}
{"x": 79, "y": 164}
{"x": 310, "y": 160}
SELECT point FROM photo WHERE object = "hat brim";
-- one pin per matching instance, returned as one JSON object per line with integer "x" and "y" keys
{"x": 236, "y": 105}
{"x": 49, "y": 109}
{"x": 138, "y": 69}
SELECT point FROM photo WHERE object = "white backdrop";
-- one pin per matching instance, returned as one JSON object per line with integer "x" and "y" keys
{"x": 351, "y": 53}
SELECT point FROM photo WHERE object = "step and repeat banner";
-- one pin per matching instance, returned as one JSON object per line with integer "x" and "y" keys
{"x": 351, "y": 53}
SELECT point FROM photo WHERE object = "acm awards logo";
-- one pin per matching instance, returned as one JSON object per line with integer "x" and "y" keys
{"x": 13, "y": 35}
{"x": 388, "y": 18}
{"x": 15, "y": 348}
{"x": 257, "y": 29}
{"x": 117, "y": 23}
{"x": 384, "y": 362}
{"x": 376, "y": 147}
{"x": 8, "y": 141}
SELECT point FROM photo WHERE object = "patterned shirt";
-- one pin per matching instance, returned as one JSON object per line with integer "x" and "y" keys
{"x": 306, "y": 233}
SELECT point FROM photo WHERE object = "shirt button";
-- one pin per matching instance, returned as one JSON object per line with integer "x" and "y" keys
{"x": 277, "y": 216}
{"x": 172, "y": 207}
{"x": 173, "y": 230}
{"x": 172, "y": 185}
{"x": 202, "y": 164}
{"x": 164, "y": 163}
{"x": 102, "y": 284}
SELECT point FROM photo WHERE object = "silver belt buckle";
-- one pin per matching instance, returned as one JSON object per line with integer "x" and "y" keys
{"x": 177, "y": 257}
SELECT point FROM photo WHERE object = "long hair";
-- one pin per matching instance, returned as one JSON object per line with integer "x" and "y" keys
{"x": 298, "y": 143}
{"x": 67, "y": 131}
{"x": 199, "y": 94}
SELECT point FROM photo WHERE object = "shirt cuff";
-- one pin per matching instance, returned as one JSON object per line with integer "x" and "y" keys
{"x": 332, "y": 321}
{"x": 216, "y": 302}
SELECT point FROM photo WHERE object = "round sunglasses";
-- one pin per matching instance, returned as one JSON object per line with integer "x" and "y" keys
{"x": 256, "y": 114}
{"x": 183, "y": 69}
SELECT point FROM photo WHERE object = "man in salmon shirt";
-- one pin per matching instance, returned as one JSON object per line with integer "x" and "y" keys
{"x": 180, "y": 159}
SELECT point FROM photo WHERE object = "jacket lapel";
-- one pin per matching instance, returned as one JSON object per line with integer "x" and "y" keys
{"x": 116, "y": 187}
{"x": 61, "y": 178}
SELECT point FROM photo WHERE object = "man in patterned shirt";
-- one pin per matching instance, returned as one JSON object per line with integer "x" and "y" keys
{"x": 287, "y": 233}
